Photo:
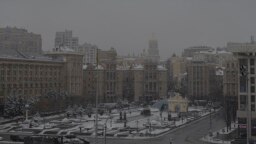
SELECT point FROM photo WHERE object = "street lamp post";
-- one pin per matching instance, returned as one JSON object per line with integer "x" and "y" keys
{"x": 137, "y": 125}
{"x": 26, "y": 106}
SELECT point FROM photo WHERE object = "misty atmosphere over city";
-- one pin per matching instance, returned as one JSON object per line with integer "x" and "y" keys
{"x": 127, "y": 71}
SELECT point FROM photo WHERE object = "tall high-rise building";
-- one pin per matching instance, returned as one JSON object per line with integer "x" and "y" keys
{"x": 66, "y": 39}
{"x": 153, "y": 51}
{"x": 20, "y": 40}
{"x": 246, "y": 115}
{"x": 90, "y": 53}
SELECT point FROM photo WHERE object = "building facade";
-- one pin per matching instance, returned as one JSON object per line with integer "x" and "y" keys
{"x": 93, "y": 83}
{"x": 73, "y": 70}
{"x": 178, "y": 104}
{"x": 90, "y": 53}
{"x": 107, "y": 55}
{"x": 21, "y": 40}
{"x": 246, "y": 115}
{"x": 133, "y": 83}
{"x": 153, "y": 51}
{"x": 177, "y": 69}
{"x": 189, "y": 52}
{"x": 201, "y": 80}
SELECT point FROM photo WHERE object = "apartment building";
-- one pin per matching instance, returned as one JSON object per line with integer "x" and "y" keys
{"x": 246, "y": 115}
{"x": 21, "y": 40}
{"x": 66, "y": 39}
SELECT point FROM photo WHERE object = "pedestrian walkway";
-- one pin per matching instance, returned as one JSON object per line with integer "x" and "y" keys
{"x": 213, "y": 138}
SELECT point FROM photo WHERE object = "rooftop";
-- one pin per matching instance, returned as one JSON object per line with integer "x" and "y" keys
{"x": 15, "y": 54}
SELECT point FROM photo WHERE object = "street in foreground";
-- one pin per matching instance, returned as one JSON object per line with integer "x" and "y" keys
{"x": 189, "y": 134}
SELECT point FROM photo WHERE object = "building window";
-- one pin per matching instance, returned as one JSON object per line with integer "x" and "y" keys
{"x": 252, "y": 62}
{"x": 252, "y": 107}
{"x": 252, "y": 89}
{"x": 243, "y": 84}
{"x": 252, "y": 98}
{"x": 243, "y": 102}
{"x": 252, "y": 71}
{"x": 252, "y": 80}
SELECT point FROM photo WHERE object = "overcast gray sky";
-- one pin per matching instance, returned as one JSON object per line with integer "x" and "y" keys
{"x": 127, "y": 25}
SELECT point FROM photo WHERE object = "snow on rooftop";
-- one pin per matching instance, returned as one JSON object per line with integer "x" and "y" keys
{"x": 99, "y": 67}
{"x": 122, "y": 67}
{"x": 138, "y": 67}
{"x": 189, "y": 58}
{"x": 160, "y": 67}
{"x": 84, "y": 67}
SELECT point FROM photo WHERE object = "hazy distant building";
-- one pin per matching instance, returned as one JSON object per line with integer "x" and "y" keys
{"x": 28, "y": 75}
{"x": 107, "y": 55}
{"x": 189, "y": 52}
{"x": 153, "y": 51}
{"x": 21, "y": 40}
{"x": 90, "y": 53}
{"x": 66, "y": 39}
{"x": 246, "y": 55}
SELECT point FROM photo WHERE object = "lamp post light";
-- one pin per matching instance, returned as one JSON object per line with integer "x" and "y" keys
{"x": 27, "y": 107}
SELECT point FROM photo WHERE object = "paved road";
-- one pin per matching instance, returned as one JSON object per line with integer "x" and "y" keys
{"x": 186, "y": 135}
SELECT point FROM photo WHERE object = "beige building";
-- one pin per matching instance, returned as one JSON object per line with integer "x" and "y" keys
{"x": 230, "y": 80}
{"x": 201, "y": 80}
{"x": 150, "y": 82}
{"x": 73, "y": 70}
{"x": 30, "y": 77}
{"x": 176, "y": 68}
{"x": 125, "y": 83}
{"x": 21, "y": 40}
{"x": 93, "y": 83}
{"x": 107, "y": 55}
{"x": 138, "y": 73}
{"x": 133, "y": 83}
{"x": 178, "y": 104}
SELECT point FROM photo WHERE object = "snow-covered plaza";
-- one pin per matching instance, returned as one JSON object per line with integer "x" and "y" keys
{"x": 134, "y": 125}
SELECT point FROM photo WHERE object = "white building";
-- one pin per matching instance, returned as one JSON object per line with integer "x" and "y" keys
{"x": 90, "y": 53}
{"x": 66, "y": 39}
{"x": 246, "y": 55}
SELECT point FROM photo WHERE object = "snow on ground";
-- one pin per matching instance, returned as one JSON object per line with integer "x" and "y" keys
{"x": 155, "y": 124}
{"x": 212, "y": 138}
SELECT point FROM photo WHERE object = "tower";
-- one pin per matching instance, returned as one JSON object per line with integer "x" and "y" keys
{"x": 153, "y": 52}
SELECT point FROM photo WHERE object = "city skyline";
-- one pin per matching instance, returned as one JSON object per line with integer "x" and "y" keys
{"x": 128, "y": 25}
